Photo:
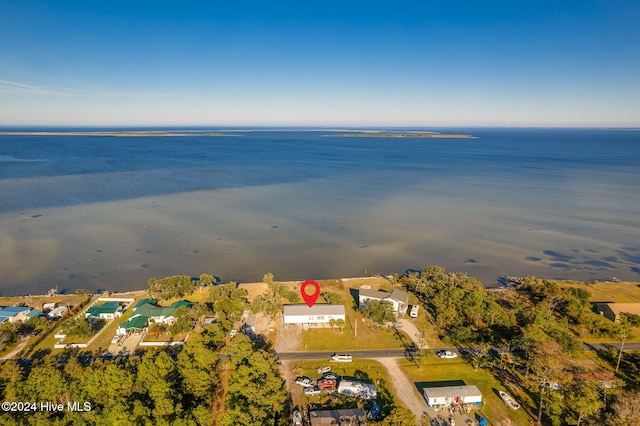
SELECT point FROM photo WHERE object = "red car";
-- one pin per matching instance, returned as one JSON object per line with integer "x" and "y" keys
{"x": 326, "y": 383}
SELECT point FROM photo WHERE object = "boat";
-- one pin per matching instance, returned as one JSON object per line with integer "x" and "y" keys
{"x": 508, "y": 400}
{"x": 297, "y": 418}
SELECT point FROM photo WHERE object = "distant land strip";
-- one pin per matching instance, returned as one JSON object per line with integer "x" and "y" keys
{"x": 145, "y": 133}
{"x": 422, "y": 135}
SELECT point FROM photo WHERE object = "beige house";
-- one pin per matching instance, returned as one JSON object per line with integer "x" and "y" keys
{"x": 613, "y": 310}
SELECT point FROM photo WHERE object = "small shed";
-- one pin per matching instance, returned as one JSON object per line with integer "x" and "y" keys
{"x": 452, "y": 395}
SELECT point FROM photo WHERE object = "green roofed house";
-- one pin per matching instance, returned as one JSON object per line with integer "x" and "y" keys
{"x": 181, "y": 303}
{"x": 145, "y": 302}
{"x": 146, "y": 311}
{"x": 108, "y": 310}
{"x": 134, "y": 325}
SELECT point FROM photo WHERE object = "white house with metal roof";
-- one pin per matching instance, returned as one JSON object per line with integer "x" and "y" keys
{"x": 318, "y": 314}
{"x": 446, "y": 395}
{"x": 399, "y": 299}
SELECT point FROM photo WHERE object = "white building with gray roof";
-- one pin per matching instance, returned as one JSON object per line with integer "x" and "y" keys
{"x": 399, "y": 299}
{"x": 318, "y": 314}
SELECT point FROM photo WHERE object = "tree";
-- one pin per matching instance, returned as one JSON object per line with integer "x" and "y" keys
{"x": 206, "y": 280}
{"x": 256, "y": 392}
{"x": 82, "y": 292}
{"x": 197, "y": 367}
{"x": 625, "y": 410}
{"x": 379, "y": 311}
{"x": 184, "y": 320}
{"x": 340, "y": 323}
{"x": 624, "y": 332}
{"x": 583, "y": 399}
{"x": 399, "y": 416}
{"x": 169, "y": 287}
{"x": 332, "y": 323}
{"x": 332, "y": 298}
{"x": 478, "y": 355}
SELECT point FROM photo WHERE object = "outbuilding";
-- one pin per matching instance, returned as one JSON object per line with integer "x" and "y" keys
{"x": 452, "y": 395}
{"x": 319, "y": 314}
{"x": 350, "y": 416}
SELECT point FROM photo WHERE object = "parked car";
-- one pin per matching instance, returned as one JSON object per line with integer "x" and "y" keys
{"x": 315, "y": 390}
{"x": 447, "y": 355}
{"x": 233, "y": 333}
{"x": 552, "y": 385}
{"x": 340, "y": 357}
{"x": 327, "y": 383}
{"x": 321, "y": 370}
{"x": 304, "y": 381}
{"x": 297, "y": 418}
{"x": 413, "y": 313}
{"x": 115, "y": 340}
{"x": 333, "y": 376}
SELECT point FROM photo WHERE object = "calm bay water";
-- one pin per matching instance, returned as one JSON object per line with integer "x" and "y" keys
{"x": 111, "y": 212}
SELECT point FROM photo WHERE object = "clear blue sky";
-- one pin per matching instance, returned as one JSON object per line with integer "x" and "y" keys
{"x": 422, "y": 63}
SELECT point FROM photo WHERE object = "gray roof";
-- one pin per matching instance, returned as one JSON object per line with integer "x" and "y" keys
{"x": 452, "y": 391}
{"x": 398, "y": 295}
{"x": 335, "y": 414}
{"x": 317, "y": 309}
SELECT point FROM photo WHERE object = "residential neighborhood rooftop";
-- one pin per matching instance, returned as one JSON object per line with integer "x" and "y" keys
{"x": 317, "y": 309}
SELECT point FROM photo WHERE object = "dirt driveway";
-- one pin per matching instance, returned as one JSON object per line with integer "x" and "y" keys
{"x": 404, "y": 388}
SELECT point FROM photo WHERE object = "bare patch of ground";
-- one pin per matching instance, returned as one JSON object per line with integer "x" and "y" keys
{"x": 404, "y": 388}
{"x": 288, "y": 338}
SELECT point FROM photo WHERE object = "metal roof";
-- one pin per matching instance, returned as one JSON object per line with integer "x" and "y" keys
{"x": 317, "y": 309}
{"x": 452, "y": 391}
{"x": 397, "y": 295}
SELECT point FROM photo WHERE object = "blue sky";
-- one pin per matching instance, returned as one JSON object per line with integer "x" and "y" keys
{"x": 400, "y": 63}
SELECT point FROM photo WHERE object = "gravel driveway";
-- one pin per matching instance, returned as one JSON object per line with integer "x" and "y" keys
{"x": 405, "y": 389}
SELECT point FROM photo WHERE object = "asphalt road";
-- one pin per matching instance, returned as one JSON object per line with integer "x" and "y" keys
{"x": 397, "y": 353}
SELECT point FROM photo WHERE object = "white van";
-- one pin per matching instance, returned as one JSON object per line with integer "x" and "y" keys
{"x": 413, "y": 313}
{"x": 340, "y": 358}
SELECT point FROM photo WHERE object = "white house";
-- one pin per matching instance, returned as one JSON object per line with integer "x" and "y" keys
{"x": 320, "y": 313}
{"x": 399, "y": 299}
{"x": 452, "y": 395}
{"x": 57, "y": 312}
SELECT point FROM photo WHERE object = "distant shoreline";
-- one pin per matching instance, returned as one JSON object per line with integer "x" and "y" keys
{"x": 418, "y": 135}
{"x": 125, "y": 134}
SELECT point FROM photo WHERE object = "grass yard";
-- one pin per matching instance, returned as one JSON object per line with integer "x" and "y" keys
{"x": 439, "y": 370}
{"x": 608, "y": 292}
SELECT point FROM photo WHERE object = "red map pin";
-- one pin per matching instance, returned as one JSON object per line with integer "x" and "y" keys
{"x": 310, "y": 299}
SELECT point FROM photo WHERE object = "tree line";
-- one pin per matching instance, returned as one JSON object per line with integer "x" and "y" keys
{"x": 535, "y": 334}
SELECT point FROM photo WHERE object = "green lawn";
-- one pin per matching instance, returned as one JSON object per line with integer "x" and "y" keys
{"x": 439, "y": 370}
{"x": 609, "y": 292}
{"x": 369, "y": 336}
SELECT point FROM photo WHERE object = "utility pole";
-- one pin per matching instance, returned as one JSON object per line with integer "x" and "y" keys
{"x": 355, "y": 333}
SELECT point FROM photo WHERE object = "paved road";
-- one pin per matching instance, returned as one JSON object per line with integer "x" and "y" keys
{"x": 381, "y": 353}
{"x": 396, "y": 353}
